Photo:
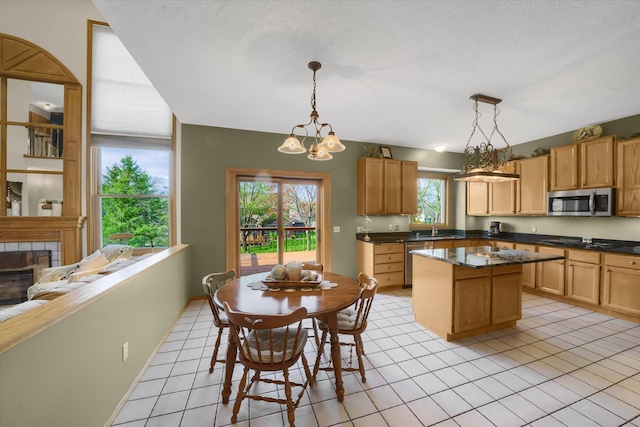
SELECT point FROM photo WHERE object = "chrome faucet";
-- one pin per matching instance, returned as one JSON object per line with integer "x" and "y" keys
{"x": 434, "y": 230}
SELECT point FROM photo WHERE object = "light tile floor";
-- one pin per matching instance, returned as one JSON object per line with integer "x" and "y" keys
{"x": 560, "y": 366}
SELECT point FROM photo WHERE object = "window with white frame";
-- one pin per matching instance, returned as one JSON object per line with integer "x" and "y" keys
{"x": 433, "y": 200}
{"x": 131, "y": 144}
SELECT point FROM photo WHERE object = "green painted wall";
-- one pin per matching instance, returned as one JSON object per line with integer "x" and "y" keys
{"x": 206, "y": 153}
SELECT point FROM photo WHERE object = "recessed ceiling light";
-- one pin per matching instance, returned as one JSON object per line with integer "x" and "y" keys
{"x": 440, "y": 148}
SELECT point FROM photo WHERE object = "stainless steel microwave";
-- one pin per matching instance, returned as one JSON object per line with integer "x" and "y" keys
{"x": 591, "y": 202}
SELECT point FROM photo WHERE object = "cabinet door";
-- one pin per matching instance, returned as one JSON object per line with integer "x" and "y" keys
{"x": 472, "y": 303}
{"x": 628, "y": 197}
{"x": 532, "y": 186}
{"x": 370, "y": 192}
{"x": 563, "y": 165}
{"x": 502, "y": 198}
{"x": 506, "y": 297}
{"x": 409, "y": 187}
{"x": 597, "y": 163}
{"x": 550, "y": 275}
{"x": 477, "y": 198}
{"x": 583, "y": 281}
{"x": 528, "y": 270}
{"x": 621, "y": 290}
{"x": 393, "y": 186}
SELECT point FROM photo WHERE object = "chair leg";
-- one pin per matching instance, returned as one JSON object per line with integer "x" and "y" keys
{"x": 287, "y": 393}
{"x": 241, "y": 394}
{"x": 316, "y": 366}
{"x": 316, "y": 336}
{"x": 214, "y": 358}
{"x": 307, "y": 372}
{"x": 359, "y": 353}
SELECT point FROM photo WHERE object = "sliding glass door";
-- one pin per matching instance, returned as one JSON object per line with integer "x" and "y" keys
{"x": 278, "y": 220}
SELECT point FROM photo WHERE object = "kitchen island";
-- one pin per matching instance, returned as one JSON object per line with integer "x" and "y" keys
{"x": 468, "y": 291}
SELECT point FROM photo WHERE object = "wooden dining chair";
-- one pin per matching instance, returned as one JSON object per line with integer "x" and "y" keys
{"x": 211, "y": 283}
{"x": 351, "y": 321}
{"x": 314, "y": 324}
{"x": 269, "y": 343}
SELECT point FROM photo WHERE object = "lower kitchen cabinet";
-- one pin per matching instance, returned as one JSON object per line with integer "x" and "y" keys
{"x": 583, "y": 276}
{"x": 384, "y": 261}
{"x": 550, "y": 275}
{"x": 621, "y": 290}
{"x": 528, "y": 270}
{"x": 472, "y": 302}
{"x": 506, "y": 298}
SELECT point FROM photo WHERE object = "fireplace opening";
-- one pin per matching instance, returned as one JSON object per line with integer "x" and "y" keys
{"x": 18, "y": 271}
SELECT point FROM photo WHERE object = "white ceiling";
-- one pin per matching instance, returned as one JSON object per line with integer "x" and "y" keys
{"x": 393, "y": 72}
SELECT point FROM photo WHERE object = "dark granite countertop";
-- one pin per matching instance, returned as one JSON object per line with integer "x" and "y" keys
{"x": 484, "y": 256}
{"x": 624, "y": 247}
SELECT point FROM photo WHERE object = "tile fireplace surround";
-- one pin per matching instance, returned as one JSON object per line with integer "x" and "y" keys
{"x": 54, "y": 247}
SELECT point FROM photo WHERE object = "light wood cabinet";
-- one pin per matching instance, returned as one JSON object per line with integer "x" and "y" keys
{"x": 384, "y": 261}
{"x": 386, "y": 186}
{"x": 477, "y": 198}
{"x": 392, "y": 186}
{"x": 586, "y": 164}
{"x": 628, "y": 193}
{"x": 472, "y": 303}
{"x": 532, "y": 186}
{"x": 563, "y": 165}
{"x": 502, "y": 198}
{"x": 621, "y": 290}
{"x": 550, "y": 275}
{"x": 583, "y": 276}
{"x": 528, "y": 270}
{"x": 456, "y": 302}
{"x": 597, "y": 163}
{"x": 409, "y": 188}
{"x": 506, "y": 295}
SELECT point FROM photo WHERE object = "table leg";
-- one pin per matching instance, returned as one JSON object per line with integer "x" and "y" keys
{"x": 232, "y": 352}
{"x": 332, "y": 323}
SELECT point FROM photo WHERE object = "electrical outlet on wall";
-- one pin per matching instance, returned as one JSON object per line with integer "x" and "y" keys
{"x": 534, "y": 229}
{"x": 125, "y": 351}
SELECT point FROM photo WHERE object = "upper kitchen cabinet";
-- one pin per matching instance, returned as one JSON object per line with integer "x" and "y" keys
{"x": 586, "y": 164}
{"x": 477, "y": 198}
{"x": 628, "y": 197}
{"x": 387, "y": 186}
{"x": 532, "y": 187}
{"x": 564, "y": 167}
{"x": 502, "y": 198}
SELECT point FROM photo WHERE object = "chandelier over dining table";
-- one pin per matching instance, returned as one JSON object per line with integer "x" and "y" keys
{"x": 321, "y": 148}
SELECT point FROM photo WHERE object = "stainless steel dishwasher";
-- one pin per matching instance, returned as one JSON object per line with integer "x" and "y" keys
{"x": 408, "y": 258}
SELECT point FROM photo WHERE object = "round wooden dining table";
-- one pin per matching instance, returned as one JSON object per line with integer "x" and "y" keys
{"x": 321, "y": 304}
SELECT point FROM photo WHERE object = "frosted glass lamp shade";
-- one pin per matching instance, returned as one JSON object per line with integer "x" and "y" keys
{"x": 320, "y": 155}
{"x": 291, "y": 146}
{"x": 331, "y": 144}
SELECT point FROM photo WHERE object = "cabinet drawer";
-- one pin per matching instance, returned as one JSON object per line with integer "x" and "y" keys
{"x": 508, "y": 269}
{"x": 624, "y": 261}
{"x": 466, "y": 272}
{"x": 584, "y": 256}
{"x": 388, "y": 248}
{"x": 390, "y": 279}
{"x": 388, "y": 267}
{"x": 552, "y": 251}
{"x": 393, "y": 257}
{"x": 524, "y": 247}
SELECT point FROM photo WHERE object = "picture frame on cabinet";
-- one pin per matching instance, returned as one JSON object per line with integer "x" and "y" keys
{"x": 386, "y": 152}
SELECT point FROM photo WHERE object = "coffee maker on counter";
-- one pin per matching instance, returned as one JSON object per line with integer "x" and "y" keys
{"x": 494, "y": 228}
